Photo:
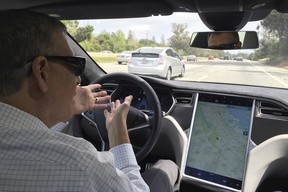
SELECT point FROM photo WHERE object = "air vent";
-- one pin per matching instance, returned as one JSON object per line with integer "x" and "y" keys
{"x": 183, "y": 97}
{"x": 269, "y": 108}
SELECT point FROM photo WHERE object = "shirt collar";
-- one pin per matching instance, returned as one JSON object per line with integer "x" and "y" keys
{"x": 11, "y": 116}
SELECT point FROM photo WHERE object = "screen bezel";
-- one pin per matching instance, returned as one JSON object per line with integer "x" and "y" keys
{"x": 202, "y": 181}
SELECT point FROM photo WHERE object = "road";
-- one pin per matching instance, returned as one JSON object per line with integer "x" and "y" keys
{"x": 246, "y": 72}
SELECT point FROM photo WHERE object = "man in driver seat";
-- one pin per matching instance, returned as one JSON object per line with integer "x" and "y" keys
{"x": 39, "y": 87}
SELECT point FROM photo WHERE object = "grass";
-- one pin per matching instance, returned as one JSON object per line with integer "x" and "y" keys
{"x": 103, "y": 58}
{"x": 263, "y": 60}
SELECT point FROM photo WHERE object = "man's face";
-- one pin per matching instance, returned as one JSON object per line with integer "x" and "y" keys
{"x": 223, "y": 40}
{"x": 64, "y": 82}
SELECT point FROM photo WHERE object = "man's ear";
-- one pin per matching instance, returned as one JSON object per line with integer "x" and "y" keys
{"x": 40, "y": 72}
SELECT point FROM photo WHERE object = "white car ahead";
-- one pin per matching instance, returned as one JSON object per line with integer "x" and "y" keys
{"x": 161, "y": 62}
{"x": 124, "y": 57}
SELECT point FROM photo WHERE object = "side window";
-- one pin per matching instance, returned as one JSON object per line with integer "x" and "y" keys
{"x": 175, "y": 54}
{"x": 169, "y": 53}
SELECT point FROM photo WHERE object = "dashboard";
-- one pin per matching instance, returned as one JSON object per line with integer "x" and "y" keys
{"x": 178, "y": 100}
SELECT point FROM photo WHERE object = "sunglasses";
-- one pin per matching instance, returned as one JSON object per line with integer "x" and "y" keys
{"x": 224, "y": 46}
{"x": 76, "y": 64}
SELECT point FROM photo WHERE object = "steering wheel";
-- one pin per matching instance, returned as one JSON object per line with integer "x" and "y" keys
{"x": 143, "y": 126}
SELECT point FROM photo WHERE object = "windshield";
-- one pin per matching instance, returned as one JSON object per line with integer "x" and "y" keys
{"x": 105, "y": 39}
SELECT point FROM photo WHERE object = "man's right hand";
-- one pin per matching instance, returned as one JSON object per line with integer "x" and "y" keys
{"x": 116, "y": 122}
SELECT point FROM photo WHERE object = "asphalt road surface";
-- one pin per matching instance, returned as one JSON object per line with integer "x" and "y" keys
{"x": 238, "y": 72}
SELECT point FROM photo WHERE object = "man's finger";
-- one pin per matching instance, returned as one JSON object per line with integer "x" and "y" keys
{"x": 128, "y": 99}
{"x": 94, "y": 86}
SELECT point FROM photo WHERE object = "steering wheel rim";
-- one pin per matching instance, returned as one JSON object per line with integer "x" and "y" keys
{"x": 155, "y": 120}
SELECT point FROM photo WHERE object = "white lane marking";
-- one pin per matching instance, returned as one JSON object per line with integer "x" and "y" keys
{"x": 275, "y": 78}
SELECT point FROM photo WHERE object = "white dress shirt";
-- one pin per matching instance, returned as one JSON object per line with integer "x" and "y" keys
{"x": 35, "y": 158}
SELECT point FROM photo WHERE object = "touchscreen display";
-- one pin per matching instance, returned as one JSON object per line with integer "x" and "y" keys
{"x": 218, "y": 139}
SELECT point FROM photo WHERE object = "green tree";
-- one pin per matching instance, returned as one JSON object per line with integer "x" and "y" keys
{"x": 268, "y": 46}
{"x": 119, "y": 42}
{"x": 162, "y": 42}
{"x": 71, "y": 26}
{"x": 131, "y": 42}
{"x": 79, "y": 33}
{"x": 277, "y": 23}
{"x": 153, "y": 39}
{"x": 180, "y": 38}
{"x": 105, "y": 40}
{"x": 92, "y": 45}
{"x": 147, "y": 43}
{"x": 84, "y": 33}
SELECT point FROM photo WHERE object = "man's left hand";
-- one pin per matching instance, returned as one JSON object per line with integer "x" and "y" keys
{"x": 87, "y": 99}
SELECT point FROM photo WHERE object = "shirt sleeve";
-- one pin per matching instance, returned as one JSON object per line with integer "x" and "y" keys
{"x": 126, "y": 162}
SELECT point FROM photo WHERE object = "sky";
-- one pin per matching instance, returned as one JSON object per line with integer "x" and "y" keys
{"x": 149, "y": 26}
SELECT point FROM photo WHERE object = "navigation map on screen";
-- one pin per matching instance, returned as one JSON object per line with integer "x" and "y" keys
{"x": 219, "y": 139}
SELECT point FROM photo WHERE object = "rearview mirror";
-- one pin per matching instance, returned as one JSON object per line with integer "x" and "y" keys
{"x": 225, "y": 40}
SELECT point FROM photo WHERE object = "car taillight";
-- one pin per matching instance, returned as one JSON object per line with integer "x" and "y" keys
{"x": 161, "y": 60}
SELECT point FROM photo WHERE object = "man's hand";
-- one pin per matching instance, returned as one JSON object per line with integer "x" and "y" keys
{"x": 85, "y": 99}
{"x": 116, "y": 122}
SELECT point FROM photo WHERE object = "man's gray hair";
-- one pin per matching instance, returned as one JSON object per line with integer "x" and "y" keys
{"x": 24, "y": 35}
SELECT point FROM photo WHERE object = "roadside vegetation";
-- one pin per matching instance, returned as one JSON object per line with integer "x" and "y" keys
{"x": 103, "y": 57}
{"x": 273, "y": 41}
{"x": 273, "y": 37}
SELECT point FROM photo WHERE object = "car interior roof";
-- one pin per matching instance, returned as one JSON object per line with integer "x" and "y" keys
{"x": 211, "y": 12}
